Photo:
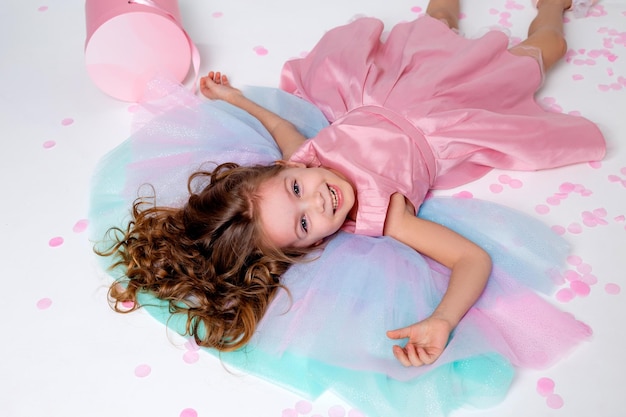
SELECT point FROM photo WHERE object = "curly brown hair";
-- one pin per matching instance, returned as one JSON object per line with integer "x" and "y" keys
{"x": 208, "y": 259}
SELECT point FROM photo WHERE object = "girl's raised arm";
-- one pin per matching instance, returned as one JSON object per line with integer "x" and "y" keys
{"x": 216, "y": 86}
{"x": 470, "y": 268}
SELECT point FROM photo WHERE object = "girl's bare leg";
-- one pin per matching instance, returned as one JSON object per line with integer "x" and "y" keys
{"x": 446, "y": 11}
{"x": 546, "y": 32}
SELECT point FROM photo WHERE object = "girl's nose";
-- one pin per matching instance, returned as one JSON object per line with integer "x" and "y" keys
{"x": 316, "y": 202}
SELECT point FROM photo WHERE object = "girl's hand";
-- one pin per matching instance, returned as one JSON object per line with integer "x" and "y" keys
{"x": 427, "y": 340}
{"x": 217, "y": 87}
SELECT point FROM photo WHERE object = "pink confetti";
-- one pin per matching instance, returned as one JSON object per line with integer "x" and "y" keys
{"x": 80, "y": 226}
{"x": 416, "y": 9}
{"x": 580, "y": 288}
{"x": 612, "y": 288}
{"x": 565, "y": 295}
{"x": 49, "y": 144}
{"x": 44, "y": 303}
{"x": 574, "y": 260}
{"x": 589, "y": 279}
{"x": 516, "y": 183}
{"x": 553, "y": 201}
{"x": 42, "y": 8}
{"x": 578, "y": 77}
{"x": 128, "y": 305}
{"x": 261, "y": 51}
{"x": 189, "y": 412}
{"x": 304, "y": 407}
{"x": 496, "y": 188}
{"x": 464, "y": 194}
{"x": 567, "y": 187}
{"x": 572, "y": 276}
{"x": 584, "y": 268}
{"x": 542, "y": 209}
{"x": 142, "y": 371}
{"x": 559, "y": 230}
{"x": 289, "y": 412}
{"x": 217, "y": 15}
{"x": 575, "y": 228}
{"x": 554, "y": 401}
{"x": 55, "y": 242}
{"x": 134, "y": 108}
{"x": 545, "y": 386}
{"x": 595, "y": 164}
{"x": 336, "y": 411}
{"x": 68, "y": 121}
{"x": 191, "y": 357}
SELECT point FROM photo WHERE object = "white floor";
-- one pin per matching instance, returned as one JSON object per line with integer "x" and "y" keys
{"x": 64, "y": 353}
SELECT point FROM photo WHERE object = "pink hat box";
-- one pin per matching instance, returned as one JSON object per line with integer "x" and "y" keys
{"x": 129, "y": 43}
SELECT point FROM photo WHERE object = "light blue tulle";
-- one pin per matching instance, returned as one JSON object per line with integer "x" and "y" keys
{"x": 328, "y": 333}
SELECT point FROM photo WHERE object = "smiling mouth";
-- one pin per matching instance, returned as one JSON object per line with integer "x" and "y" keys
{"x": 334, "y": 198}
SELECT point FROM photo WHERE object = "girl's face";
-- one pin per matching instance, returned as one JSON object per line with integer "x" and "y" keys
{"x": 302, "y": 206}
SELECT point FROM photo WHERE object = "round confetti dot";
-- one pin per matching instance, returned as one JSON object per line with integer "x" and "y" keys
{"x": 516, "y": 184}
{"x": 559, "y": 230}
{"x": 336, "y": 411}
{"x": 191, "y": 356}
{"x": 496, "y": 188}
{"x": 67, "y": 121}
{"x": 575, "y": 228}
{"x": 584, "y": 268}
{"x": 545, "y": 386}
{"x": 189, "y": 412}
{"x": 542, "y": 209}
{"x": 55, "y": 241}
{"x": 572, "y": 276}
{"x": 142, "y": 371}
{"x": 261, "y": 51}
{"x": 589, "y": 279}
{"x": 42, "y": 8}
{"x": 44, "y": 303}
{"x": 416, "y": 9}
{"x": 574, "y": 260}
{"x": 612, "y": 289}
{"x": 80, "y": 226}
{"x": 580, "y": 288}
{"x": 304, "y": 407}
{"x": 565, "y": 295}
{"x": 49, "y": 144}
{"x": 554, "y": 401}
{"x": 217, "y": 15}
{"x": 464, "y": 194}
{"x": 289, "y": 412}
{"x": 553, "y": 201}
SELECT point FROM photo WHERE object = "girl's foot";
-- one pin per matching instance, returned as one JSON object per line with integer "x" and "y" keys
{"x": 580, "y": 8}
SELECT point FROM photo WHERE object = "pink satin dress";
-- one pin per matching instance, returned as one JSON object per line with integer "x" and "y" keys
{"x": 427, "y": 109}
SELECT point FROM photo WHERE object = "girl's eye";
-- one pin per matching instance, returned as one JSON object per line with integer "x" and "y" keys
{"x": 296, "y": 188}
{"x": 304, "y": 224}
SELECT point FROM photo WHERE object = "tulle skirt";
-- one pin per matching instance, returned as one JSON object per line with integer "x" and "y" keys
{"x": 327, "y": 333}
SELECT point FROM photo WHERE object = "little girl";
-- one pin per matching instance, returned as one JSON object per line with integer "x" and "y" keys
{"x": 408, "y": 116}
{"x": 426, "y": 109}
